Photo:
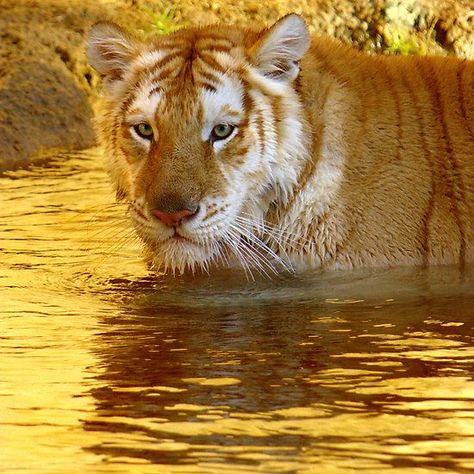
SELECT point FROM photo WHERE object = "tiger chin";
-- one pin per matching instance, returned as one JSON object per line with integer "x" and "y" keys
{"x": 273, "y": 151}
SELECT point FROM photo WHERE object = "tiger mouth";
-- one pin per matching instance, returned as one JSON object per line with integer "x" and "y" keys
{"x": 177, "y": 237}
{"x": 141, "y": 222}
{"x": 174, "y": 239}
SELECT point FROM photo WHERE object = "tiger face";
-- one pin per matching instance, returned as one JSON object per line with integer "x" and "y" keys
{"x": 203, "y": 132}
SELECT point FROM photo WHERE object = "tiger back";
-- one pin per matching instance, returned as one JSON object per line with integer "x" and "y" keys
{"x": 275, "y": 151}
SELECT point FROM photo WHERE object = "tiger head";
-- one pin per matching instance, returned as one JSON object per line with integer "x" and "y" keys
{"x": 203, "y": 131}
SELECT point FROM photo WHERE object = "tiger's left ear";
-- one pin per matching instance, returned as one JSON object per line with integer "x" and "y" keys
{"x": 110, "y": 50}
{"x": 277, "y": 53}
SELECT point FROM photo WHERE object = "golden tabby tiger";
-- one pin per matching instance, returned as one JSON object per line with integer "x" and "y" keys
{"x": 277, "y": 151}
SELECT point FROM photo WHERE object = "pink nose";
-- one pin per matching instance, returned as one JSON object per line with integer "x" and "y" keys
{"x": 172, "y": 218}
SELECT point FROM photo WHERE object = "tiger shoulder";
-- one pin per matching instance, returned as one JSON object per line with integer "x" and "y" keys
{"x": 276, "y": 151}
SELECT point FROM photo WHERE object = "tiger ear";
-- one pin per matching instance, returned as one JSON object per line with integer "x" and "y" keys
{"x": 110, "y": 50}
{"x": 277, "y": 53}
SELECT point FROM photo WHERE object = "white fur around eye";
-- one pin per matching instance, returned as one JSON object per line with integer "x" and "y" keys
{"x": 220, "y": 144}
{"x": 222, "y": 106}
{"x": 143, "y": 141}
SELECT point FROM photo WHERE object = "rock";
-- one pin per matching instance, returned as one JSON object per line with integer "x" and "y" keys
{"x": 41, "y": 104}
{"x": 47, "y": 89}
{"x": 41, "y": 107}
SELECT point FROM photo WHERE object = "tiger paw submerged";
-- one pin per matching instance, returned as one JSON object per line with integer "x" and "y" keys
{"x": 276, "y": 151}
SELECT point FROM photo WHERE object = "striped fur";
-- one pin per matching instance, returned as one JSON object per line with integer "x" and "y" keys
{"x": 337, "y": 160}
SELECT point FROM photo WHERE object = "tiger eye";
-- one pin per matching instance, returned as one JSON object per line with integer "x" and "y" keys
{"x": 221, "y": 131}
{"x": 144, "y": 130}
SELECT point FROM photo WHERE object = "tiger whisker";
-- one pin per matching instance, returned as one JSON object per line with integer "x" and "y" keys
{"x": 234, "y": 247}
{"x": 255, "y": 254}
{"x": 279, "y": 236}
{"x": 263, "y": 248}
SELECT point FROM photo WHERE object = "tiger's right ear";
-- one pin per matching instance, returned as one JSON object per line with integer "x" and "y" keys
{"x": 110, "y": 50}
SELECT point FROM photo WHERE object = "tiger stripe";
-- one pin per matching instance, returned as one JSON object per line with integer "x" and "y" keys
{"x": 428, "y": 212}
{"x": 393, "y": 88}
{"x": 462, "y": 96}
{"x": 453, "y": 180}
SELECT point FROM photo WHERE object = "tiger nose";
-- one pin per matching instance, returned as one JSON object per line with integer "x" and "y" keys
{"x": 172, "y": 219}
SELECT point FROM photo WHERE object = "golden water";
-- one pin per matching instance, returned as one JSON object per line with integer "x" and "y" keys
{"x": 105, "y": 368}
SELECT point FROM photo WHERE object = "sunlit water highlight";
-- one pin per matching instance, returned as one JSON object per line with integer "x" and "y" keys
{"x": 107, "y": 368}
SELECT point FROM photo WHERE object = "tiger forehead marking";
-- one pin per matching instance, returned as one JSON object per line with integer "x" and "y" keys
{"x": 180, "y": 79}
{"x": 273, "y": 151}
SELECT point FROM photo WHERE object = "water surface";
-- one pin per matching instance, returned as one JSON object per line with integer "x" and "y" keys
{"x": 106, "y": 368}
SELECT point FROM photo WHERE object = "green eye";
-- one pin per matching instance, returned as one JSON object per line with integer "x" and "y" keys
{"x": 144, "y": 130}
{"x": 221, "y": 131}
